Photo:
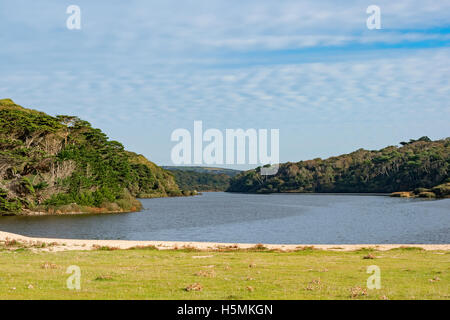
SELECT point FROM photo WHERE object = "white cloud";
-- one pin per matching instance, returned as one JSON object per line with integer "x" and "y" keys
{"x": 370, "y": 89}
{"x": 174, "y": 29}
{"x": 166, "y": 63}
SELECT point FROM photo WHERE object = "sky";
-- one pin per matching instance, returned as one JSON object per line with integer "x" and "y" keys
{"x": 138, "y": 70}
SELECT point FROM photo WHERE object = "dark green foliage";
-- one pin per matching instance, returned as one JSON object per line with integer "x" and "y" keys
{"x": 26, "y": 183}
{"x": 41, "y": 185}
{"x": 200, "y": 169}
{"x": 201, "y": 181}
{"x": 84, "y": 198}
{"x": 443, "y": 190}
{"x": 21, "y": 124}
{"x": 151, "y": 180}
{"x": 57, "y": 161}
{"x": 9, "y": 206}
{"x": 101, "y": 165}
{"x": 420, "y": 163}
{"x": 424, "y": 138}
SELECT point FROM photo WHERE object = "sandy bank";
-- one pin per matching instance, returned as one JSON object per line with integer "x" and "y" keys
{"x": 73, "y": 244}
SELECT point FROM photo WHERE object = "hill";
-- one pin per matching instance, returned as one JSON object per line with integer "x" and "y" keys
{"x": 202, "y": 178}
{"x": 212, "y": 170}
{"x": 418, "y": 165}
{"x": 62, "y": 164}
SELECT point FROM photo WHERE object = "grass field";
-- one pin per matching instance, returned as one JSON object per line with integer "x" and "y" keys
{"x": 30, "y": 273}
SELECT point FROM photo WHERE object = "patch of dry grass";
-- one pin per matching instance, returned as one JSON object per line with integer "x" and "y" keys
{"x": 194, "y": 287}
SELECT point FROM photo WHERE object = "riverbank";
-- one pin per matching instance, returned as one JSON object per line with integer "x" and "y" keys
{"x": 48, "y": 244}
{"x": 89, "y": 210}
{"x": 129, "y": 205}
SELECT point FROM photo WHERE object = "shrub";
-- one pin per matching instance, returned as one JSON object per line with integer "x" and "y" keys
{"x": 10, "y": 206}
{"x": 26, "y": 183}
{"x": 427, "y": 195}
{"x": 442, "y": 190}
{"x": 420, "y": 190}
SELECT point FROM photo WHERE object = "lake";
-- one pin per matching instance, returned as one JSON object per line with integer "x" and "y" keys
{"x": 250, "y": 218}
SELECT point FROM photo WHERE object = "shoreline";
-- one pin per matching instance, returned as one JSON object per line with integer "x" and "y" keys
{"x": 55, "y": 245}
{"x": 101, "y": 210}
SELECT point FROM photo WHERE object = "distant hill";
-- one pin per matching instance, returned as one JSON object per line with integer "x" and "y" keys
{"x": 202, "y": 178}
{"x": 213, "y": 170}
{"x": 421, "y": 165}
{"x": 62, "y": 164}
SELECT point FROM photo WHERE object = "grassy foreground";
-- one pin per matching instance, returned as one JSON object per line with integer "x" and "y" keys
{"x": 30, "y": 273}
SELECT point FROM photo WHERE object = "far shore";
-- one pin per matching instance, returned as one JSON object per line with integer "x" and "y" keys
{"x": 100, "y": 210}
{"x": 48, "y": 244}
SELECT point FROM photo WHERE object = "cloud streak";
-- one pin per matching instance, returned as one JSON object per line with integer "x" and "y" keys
{"x": 311, "y": 69}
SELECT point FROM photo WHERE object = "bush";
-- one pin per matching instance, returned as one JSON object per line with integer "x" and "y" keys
{"x": 40, "y": 186}
{"x": 442, "y": 190}
{"x": 427, "y": 195}
{"x": 26, "y": 183}
{"x": 10, "y": 206}
{"x": 129, "y": 204}
{"x": 420, "y": 190}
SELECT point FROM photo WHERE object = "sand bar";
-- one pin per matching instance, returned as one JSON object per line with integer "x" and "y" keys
{"x": 80, "y": 244}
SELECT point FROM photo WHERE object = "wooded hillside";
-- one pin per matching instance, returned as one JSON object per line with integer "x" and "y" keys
{"x": 63, "y": 164}
{"x": 415, "y": 164}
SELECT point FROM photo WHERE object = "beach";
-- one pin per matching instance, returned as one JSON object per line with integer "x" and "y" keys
{"x": 81, "y": 244}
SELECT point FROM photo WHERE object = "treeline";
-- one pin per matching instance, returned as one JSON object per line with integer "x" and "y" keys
{"x": 201, "y": 181}
{"x": 416, "y": 164}
{"x": 63, "y": 164}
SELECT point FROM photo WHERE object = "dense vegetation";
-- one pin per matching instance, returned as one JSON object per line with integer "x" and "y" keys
{"x": 200, "y": 169}
{"x": 416, "y": 164}
{"x": 62, "y": 164}
{"x": 202, "y": 178}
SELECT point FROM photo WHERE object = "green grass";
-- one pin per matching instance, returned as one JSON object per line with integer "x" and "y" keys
{"x": 257, "y": 274}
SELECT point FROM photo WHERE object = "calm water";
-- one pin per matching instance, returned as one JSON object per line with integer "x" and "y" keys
{"x": 277, "y": 218}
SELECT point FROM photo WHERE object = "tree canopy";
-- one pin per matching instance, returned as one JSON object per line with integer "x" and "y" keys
{"x": 418, "y": 163}
{"x": 51, "y": 162}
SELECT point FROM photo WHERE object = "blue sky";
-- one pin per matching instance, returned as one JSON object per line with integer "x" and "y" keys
{"x": 141, "y": 69}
